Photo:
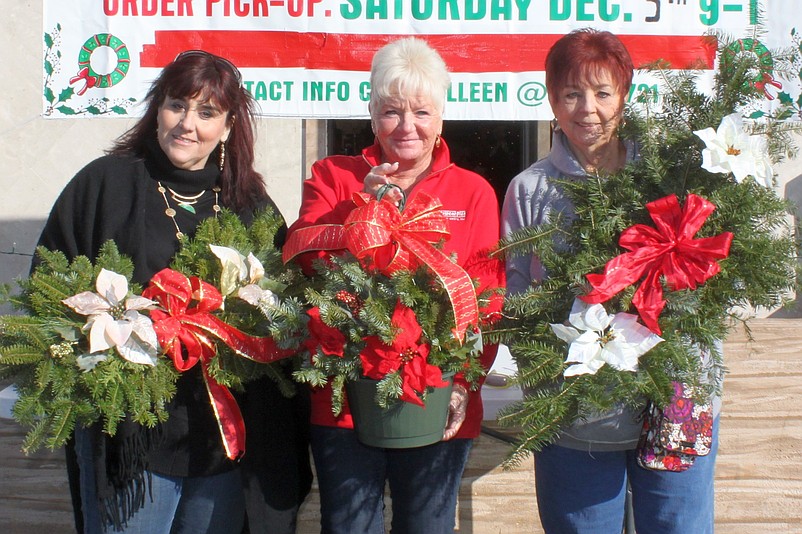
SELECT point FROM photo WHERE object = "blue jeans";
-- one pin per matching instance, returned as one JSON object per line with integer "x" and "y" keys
{"x": 584, "y": 493}
{"x": 179, "y": 505}
{"x": 424, "y": 483}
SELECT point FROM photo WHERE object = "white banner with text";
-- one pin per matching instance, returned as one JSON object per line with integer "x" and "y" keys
{"x": 310, "y": 58}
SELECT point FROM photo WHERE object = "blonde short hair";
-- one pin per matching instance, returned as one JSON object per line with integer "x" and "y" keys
{"x": 408, "y": 67}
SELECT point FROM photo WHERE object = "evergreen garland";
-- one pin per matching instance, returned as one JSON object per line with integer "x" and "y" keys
{"x": 760, "y": 271}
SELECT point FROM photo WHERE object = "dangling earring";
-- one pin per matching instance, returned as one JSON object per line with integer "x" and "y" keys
{"x": 437, "y": 141}
{"x": 554, "y": 124}
{"x": 222, "y": 155}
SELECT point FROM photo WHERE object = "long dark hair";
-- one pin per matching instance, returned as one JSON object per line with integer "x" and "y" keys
{"x": 199, "y": 74}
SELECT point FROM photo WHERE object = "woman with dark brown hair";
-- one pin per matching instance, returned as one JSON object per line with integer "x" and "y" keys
{"x": 188, "y": 156}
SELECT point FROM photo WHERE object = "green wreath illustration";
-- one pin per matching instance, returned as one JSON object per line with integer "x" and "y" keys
{"x": 88, "y": 75}
{"x": 765, "y": 72}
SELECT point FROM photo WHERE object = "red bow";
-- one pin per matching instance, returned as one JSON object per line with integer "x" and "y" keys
{"x": 185, "y": 334}
{"x": 668, "y": 250}
{"x": 89, "y": 81}
{"x": 384, "y": 238}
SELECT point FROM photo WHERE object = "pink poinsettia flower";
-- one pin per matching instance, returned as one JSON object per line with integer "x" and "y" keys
{"x": 330, "y": 340}
{"x": 406, "y": 354}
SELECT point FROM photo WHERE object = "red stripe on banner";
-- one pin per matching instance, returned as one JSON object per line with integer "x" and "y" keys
{"x": 462, "y": 53}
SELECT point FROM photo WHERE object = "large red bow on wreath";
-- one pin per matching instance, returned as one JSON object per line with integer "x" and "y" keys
{"x": 187, "y": 335}
{"x": 668, "y": 250}
{"x": 386, "y": 239}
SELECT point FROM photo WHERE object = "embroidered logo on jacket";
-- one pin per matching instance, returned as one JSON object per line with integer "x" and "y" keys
{"x": 454, "y": 215}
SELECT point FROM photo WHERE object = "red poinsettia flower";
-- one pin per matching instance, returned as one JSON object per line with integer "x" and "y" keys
{"x": 330, "y": 340}
{"x": 406, "y": 354}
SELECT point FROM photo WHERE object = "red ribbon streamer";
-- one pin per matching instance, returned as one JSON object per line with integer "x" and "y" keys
{"x": 185, "y": 334}
{"x": 389, "y": 240}
{"x": 668, "y": 250}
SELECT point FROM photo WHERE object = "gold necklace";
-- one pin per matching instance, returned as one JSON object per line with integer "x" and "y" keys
{"x": 185, "y": 202}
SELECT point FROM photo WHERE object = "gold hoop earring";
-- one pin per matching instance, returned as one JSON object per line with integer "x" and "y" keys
{"x": 222, "y": 161}
{"x": 437, "y": 141}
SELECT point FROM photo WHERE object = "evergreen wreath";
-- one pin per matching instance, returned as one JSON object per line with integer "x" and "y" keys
{"x": 277, "y": 287}
{"x": 731, "y": 170}
{"x": 59, "y": 384}
{"x": 47, "y": 349}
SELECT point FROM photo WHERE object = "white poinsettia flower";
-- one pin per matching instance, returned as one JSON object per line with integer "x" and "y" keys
{"x": 597, "y": 338}
{"x": 256, "y": 271}
{"x": 256, "y": 296}
{"x": 87, "y": 362}
{"x": 731, "y": 149}
{"x": 115, "y": 321}
{"x": 237, "y": 269}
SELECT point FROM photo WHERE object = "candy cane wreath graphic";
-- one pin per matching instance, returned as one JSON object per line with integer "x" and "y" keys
{"x": 92, "y": 78}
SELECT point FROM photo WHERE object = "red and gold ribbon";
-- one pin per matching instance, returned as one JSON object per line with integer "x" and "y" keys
{"x": 187, "y": 334}
{"x": 669, "y": 250}
{"x": 389, "y": 240}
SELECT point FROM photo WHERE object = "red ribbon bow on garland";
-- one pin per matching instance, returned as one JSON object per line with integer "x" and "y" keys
{"x": 384, "y": 238}
{"x": 668, "y": 250}
{"x": 186, "y": 335}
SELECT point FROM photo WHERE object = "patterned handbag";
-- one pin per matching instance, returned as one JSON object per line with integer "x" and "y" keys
{"x": 673, "y": 437}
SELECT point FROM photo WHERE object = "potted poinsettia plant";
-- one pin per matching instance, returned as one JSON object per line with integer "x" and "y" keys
{"x": 662, "y": 258}
{"x": 395, "y": 326}
{"x": 395, "y": 329}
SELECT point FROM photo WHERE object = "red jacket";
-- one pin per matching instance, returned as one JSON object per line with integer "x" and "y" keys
{"x": 471, "y": 208}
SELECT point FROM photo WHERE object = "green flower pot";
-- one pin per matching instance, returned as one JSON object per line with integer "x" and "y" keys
{"x": 402, "y": 425}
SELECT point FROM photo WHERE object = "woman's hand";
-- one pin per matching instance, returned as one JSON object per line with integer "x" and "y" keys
{"x": 457, "y": 411}
{"x": 379, "y": 176}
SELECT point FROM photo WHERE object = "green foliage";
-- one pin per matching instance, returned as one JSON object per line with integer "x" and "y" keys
{"x": 283, "y": 319}
{"x": 39, "y": 351}
{"x": 760, "y": 271}
{"x": 41, "y": 347}
{"x": 360, "y": 303}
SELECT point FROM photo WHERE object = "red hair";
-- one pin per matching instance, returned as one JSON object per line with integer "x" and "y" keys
{"x": 584, "y": 54}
